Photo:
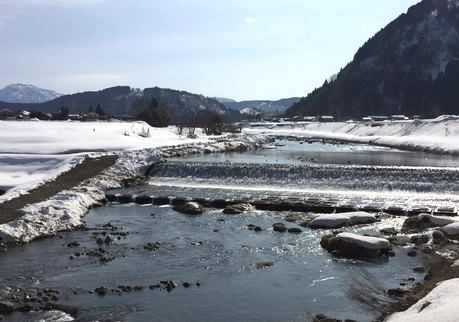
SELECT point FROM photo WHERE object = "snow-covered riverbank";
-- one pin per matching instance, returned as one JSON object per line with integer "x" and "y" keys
{"x": 440, "y": 135}
{"x": 135, "y": 153}
{"x": 34, "y": 152}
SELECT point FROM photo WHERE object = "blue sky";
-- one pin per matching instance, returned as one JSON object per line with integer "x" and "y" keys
{"x": 241, "y": 49}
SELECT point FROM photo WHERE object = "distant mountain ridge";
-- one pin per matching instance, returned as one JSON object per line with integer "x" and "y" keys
{"x": 119, "y": 101}
{"x": 266, "y": 106}
{"x": 410, "y": 67}
{"x": 25, "y": 93}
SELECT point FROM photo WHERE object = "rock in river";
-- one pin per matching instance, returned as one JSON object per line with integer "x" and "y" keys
{"x": 190, "y": 208}
{"x": 279, "y": 227}
{"x": 237, "y": 209}
{"x": 264, "y": 264}
{"x": 329, "y": 221}
{"x": 351, "y": 245}
{"x": 421, "y": 222}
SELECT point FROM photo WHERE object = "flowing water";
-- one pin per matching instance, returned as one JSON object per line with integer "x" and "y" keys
{"x": 217, "y": 254}
{"x": 215, "y": 250}
{"x": 342, "y": 173}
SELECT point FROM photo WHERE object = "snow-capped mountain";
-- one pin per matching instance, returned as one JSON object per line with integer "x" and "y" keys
{"x": 265, "y": 106}
{"x": 409, "y": 67}
{"x": 22, "y": 93}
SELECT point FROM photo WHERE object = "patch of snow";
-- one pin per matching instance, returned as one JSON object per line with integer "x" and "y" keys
{"x": 337, "y": 220}
{"x": 439, "y": 305}
{"x": 366, "y": 241}
{"x": 439, "y": 220}
{"x": 330, "y": 221}
{"x": 451, "y": 229}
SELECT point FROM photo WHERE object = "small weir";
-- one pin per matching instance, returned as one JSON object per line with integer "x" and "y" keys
{"x": 317, "y": 188}
{"x": 277, "y": 204}
{"x": 418, "y": 179}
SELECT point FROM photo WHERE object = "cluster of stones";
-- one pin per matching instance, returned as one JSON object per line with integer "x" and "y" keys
{"x": 167, "y": 285}
{"x": 17, "y": 299}
{"x": 278, "y": 204}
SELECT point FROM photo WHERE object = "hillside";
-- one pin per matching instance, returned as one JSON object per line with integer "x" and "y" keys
{"x": 22, "y": 93}
{"x": 119, "y": 101}
{"x": 267, "y": 107}
{"x": 409, "y": 67}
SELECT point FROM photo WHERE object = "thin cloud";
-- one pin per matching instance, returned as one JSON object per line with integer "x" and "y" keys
{"x": 59, "y": 3}
{"x": 250, "y": 20}
{"x": 11, "y": 9}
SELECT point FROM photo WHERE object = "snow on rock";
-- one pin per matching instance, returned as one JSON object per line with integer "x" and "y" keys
{"x": 451, "y": 229}
{"x": 190, "y": 208}
{"x": 421, "y": 222}
{"x": 366, "y": 241}
{"x": 350, "y": 245}
{"x": 438, "y": 220}
{"x": 439, "y": 305}
{"x": 342, "y": 219}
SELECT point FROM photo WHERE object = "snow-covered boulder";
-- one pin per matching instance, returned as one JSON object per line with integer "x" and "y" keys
{"x": 352, "y": 245}
{"x": 423, "y": 221}
{"x": 439, "y": 305}
{"x": 190, "y": 208}
{"x": 451, "y": 229}
{"x": 237, "y": 208}
{"x": 328, "y": 221}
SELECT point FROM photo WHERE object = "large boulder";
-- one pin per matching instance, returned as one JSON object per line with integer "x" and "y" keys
{"x": 331, "y": 221}
{"x": 236, "y": 209}
{"x": 350, "y": 245}
{"x": 439, "y": 238}
{"x": 451, "y": 230}
{"x": 2, "y": 192}
{"x": 419, "y": 223}
{"x": 7, "y": 306}
{"x": 190, "y": 208}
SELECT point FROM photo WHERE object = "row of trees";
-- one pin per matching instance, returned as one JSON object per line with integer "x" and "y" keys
{"x": 152, "y": 113}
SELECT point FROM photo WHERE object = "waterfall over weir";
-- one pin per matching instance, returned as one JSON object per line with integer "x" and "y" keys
{"x": 323, "y": 177}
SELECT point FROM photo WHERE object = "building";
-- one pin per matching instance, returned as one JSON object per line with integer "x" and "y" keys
{"x": 74, "y": 117}
{"x": 6, "y": 114}
{"x": 398, "y": 117}
{"x": 91, "y": 117}
{"x": 326, "y": 118}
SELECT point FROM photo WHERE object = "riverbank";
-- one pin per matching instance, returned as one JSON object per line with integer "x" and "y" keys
{"x": 66, "y": 209}
{"x": 438, "y": 135}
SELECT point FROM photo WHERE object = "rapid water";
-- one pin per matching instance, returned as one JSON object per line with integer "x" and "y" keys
{"x": 347, "y": 174}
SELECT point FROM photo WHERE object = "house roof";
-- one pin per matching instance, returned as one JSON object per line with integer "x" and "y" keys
{"x": 7, "y": 112}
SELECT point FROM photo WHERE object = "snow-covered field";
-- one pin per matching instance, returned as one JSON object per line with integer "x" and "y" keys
{"x": 33, "y": 152}
{"x": 440, "y": 135}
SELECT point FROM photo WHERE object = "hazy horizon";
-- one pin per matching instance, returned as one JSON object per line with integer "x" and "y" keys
{"x": 239, "y": 50}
